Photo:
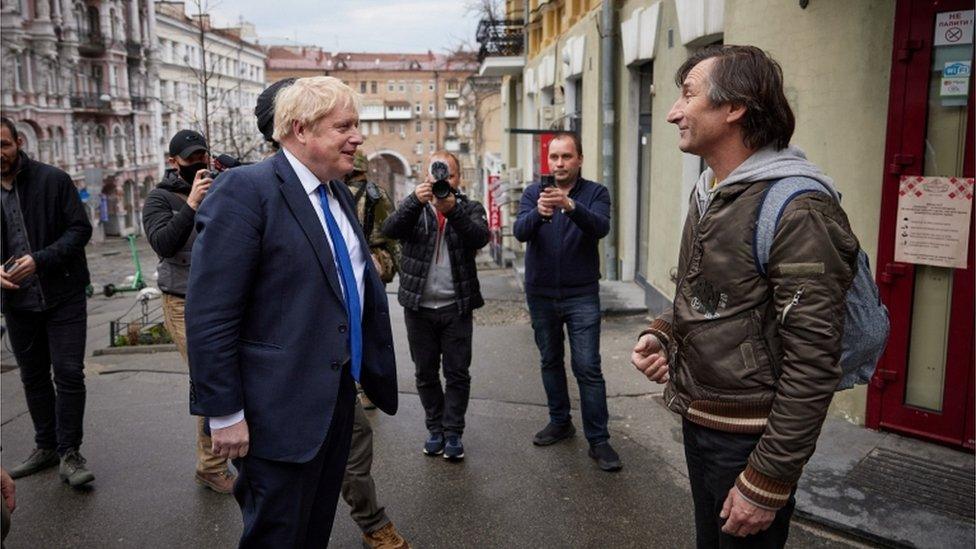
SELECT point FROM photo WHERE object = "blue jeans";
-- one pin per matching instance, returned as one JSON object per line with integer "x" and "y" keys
{"x": 581, "y": 316}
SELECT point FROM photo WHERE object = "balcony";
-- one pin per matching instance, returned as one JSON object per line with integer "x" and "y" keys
{"x": 133, "y": 49}
{"x": 452, "y": 112}
{"x": 140, "y": 102}
{"x": 91, "y": 45}
{"x": 90, "y": 102}
{"x": 502, "y": 47}
{"x": 399, "y": 110}
{"x": 451, "y": 144}
{"x": 452, "y": 94}
{"x": 372, "y": 111}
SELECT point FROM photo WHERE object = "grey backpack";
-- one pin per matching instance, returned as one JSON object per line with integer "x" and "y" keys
{"x": 866, "y": 323}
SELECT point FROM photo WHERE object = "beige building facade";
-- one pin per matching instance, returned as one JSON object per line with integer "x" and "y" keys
{"x": 411, "y": 106}
{"x": 841, "y": 62}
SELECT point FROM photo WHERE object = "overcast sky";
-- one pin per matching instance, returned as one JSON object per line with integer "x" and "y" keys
{"x": 354, "y": 25}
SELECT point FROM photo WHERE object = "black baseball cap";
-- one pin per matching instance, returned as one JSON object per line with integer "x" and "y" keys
{"x": 187, "y": 142}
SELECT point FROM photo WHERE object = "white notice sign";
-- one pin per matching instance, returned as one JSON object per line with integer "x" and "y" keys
{"x": 933, "y": 220}
{"x": 953, "y": 27}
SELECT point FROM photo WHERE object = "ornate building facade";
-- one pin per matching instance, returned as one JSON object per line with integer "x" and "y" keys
{"x": 79, "y": 81}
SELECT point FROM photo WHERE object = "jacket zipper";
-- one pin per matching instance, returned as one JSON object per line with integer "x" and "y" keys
{"x": 791, "y": 304}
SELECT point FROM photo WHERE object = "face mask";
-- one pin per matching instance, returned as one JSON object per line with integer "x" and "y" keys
{"x": 189, "y": 173}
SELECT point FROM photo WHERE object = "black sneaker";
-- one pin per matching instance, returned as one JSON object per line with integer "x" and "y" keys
{"x": 606, "y": 457}
{"x": 553, "y": 433}
{"x": 454, "y": 450}
{"x": 40, "y": 459}
{"x": 434, "y": 445}
{"x": 73, "y": 470}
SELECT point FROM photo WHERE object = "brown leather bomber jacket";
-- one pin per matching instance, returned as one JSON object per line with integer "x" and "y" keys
{"x": 754, "y": 355}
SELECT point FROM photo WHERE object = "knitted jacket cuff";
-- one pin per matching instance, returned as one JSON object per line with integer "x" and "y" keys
{"x": 762, "y": 490}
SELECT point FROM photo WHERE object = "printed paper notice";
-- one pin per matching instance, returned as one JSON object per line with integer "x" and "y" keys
{"x": 933, "y": 221}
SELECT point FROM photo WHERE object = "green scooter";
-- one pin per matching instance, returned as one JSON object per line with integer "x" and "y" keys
{"x": 137, "y": 283}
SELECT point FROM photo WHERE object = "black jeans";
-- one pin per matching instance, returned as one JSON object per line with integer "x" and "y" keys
{"x": 434, "y": 334}
{"x": 42, "y": 341}
{"x": 715, "y": 459}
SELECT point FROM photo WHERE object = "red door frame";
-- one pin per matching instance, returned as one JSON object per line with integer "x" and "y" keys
{"x": 904, "y": 155}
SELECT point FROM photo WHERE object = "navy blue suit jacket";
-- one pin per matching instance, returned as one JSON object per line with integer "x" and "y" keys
{"x": 265, "y": 322}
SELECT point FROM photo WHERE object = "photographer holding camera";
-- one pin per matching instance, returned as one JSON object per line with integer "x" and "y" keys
{"x": 440, "y": 231}
{"x": 167, "y": 217}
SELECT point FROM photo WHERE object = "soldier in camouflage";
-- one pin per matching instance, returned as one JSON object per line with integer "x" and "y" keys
{"x": 373, "y": 206}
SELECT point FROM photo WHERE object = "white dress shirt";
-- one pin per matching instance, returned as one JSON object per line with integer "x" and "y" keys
{"x": 357, "y": 255}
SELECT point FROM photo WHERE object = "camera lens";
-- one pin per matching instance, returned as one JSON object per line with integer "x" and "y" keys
{"x": 441, "y": 188}
{"x": 439, "y": 170}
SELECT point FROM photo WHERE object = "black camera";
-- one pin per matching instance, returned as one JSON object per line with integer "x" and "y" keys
{"x": 441, "y": 173}
{"x": 546, "y": 181}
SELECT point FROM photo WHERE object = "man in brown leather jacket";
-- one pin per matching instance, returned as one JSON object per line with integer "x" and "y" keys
{"x": 751, "y": 362}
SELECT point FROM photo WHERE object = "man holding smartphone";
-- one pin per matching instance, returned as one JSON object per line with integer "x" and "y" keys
{"x": 43, "y": 279}
{"x": 167, "y": 217}
{"x": 563, "y": 224}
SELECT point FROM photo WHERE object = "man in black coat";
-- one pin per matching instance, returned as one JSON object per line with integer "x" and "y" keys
{"x": 167, "y": 217}
{"x": 43, "y": 279}
{"x": 439, "y": 289}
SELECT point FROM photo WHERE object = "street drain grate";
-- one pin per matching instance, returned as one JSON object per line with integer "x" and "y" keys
{"x": 935, "y": 486}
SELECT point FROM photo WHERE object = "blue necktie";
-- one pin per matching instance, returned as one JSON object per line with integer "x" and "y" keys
{"x": 350, "y": 288}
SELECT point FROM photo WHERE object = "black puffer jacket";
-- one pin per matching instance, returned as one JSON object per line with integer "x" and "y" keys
{"x": 57, "y": 229}
{"x": 415, "y": 226}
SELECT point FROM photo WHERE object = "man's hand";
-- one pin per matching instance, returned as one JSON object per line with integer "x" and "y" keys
{"x": 21, "y": 269}
{"x": 201, "y": 184}
{"x": 742, "y": 518}
{"x": 6, "y": 281}
{"x": 231, "y": 442}
{"x": 425, "y": 191}
{"x": 445, "y": 204}
{"x": 377, "y": 264}
{"x": 651, "y": 359}
{"x": 8, "y": 490}
{"x": 554, "y": 197}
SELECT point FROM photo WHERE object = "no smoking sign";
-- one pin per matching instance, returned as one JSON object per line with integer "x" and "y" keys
{"x": 953, "y": 28}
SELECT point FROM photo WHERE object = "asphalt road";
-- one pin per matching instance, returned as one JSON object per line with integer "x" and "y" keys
{"x": 506, "y": 493}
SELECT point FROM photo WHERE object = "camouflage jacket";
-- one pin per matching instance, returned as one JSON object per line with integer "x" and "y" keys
{"x": 373, "y": 206}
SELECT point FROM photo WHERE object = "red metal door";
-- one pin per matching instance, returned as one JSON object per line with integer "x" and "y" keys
{"x": 905, "y": 154}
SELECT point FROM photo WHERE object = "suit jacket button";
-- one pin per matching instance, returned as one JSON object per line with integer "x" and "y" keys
{"x": 335, "y": 364}
{"x": 342, "y": 328}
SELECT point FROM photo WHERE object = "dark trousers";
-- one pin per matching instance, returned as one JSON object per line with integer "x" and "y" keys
{"x": 581, "y": 316}
{"x": 436, "y": 336}
{"x": 715, "y": 459}
{"x": 294, "y": 504}
{"x": 53, "y": 340}
{"x": 358, "y": 488}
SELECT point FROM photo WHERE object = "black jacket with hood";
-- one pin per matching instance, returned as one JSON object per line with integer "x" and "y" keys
{"x": 168, "y": 222}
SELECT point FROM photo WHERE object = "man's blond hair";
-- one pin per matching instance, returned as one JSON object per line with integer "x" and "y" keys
{"x": 309, "y": 100}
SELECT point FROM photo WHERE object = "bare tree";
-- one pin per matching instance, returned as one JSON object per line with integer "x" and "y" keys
{"x": 235, "y": 135}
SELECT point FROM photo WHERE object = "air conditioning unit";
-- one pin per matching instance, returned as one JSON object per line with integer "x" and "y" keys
{"x": 547, "y": 114}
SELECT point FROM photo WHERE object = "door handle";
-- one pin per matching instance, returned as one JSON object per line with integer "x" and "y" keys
{"x": 892, "y": 271}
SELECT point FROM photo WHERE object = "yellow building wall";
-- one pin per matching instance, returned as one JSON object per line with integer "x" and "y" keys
{"x": 836, "y": 58}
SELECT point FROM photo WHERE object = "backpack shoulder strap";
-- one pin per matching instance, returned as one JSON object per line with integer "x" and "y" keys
{"x": 778, "y": 195}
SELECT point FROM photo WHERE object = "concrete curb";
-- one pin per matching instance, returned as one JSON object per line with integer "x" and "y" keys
{"x": 136, "y": 350}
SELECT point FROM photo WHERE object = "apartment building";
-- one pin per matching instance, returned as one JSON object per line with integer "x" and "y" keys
{"x": 411, "y": 103}
{"x": 209, "y": 80}
{"x": 78, "y": 81}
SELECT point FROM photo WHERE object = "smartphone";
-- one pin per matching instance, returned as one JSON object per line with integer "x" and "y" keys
{"x": 8, "y": 267}
{"x": 546, "y": 181}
